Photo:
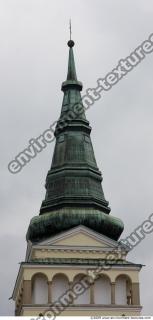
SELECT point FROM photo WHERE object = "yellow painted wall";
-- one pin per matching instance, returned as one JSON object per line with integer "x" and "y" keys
{"x": 72, "y": 272}
{"x": 80, "y": 239}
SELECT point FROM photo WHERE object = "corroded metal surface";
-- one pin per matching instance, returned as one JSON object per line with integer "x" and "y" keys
{"x": 74, "y": 181}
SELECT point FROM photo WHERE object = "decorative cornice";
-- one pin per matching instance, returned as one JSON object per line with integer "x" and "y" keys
{"x": 123, "y": 267}
{"x": 89, "y": 307}
{"x": 73, "y": 249}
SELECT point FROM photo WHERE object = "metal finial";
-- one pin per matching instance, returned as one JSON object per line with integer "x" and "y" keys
{"x": 70, "y": 42}
{"x": 70, "y": 28}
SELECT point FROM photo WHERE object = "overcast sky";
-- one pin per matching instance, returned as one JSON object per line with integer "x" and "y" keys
{"x": 33, "y": 63}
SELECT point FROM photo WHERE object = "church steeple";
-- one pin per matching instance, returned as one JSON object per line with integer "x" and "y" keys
{"x": 74, "y": 179}
{"x": 74, "y": 235}
{"x": 74, "y": 194}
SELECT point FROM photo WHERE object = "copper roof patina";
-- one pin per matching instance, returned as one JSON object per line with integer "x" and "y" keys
{"x": 74, "y": 194}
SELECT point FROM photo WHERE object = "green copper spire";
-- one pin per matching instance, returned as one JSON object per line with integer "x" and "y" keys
{"x": 74, "y": 194}
{"x": 71, "y": 74}
{"x": 74, "y": 178}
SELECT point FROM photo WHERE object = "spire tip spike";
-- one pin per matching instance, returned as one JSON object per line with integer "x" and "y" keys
{"x": 70, "y": 28}
{"x": 70, "y": 42}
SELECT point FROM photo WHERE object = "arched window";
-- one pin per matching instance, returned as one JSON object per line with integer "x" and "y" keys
{"x": 123, "y": 292}
{"x": 39, "y": 289}
{"x": 60, "y": 285}
{"x": 84, "y": 296}
{"x": 102, "y": 290}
